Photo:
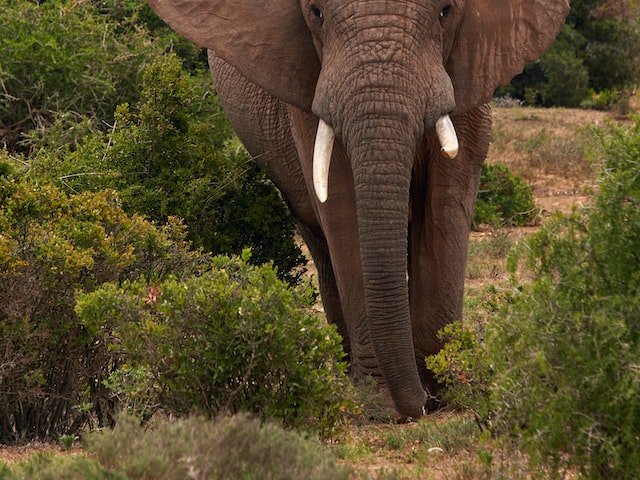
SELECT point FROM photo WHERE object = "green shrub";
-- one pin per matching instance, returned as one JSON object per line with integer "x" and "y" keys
{"x": 174, "y": 154}
{"x": 62, "y": 56}
{"x": 49, "y": 466}
{"x": 567, "y": 376}
{"x": 233, "y": 339}
{"x": 503, "y": 198}
{"x": 613, "y": 100}
{"x": 463, "y": 365}
{"x": 228, "y": 448}
{"x": 157, "y": 323}
{"x": 52, "y": 246}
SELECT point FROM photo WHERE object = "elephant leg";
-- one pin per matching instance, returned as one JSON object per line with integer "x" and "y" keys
{"x": 441, "y": 222}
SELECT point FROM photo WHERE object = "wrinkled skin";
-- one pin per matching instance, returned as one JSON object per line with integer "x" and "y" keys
{"x": 390, "y": 243}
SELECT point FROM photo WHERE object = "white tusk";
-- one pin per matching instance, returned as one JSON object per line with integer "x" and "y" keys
{"x": 322, "y": 159}
{"x": 447, "y": 136}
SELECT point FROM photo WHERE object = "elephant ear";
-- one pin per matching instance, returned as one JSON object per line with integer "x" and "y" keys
{"x": 267, "y": 41}
{"x": 496, "y": 38}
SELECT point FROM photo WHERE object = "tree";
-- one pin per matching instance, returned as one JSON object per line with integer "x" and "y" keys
{"x": 594, "y": 62}
{"x": 65, "y": 57}
{"x": 173, "y": 153}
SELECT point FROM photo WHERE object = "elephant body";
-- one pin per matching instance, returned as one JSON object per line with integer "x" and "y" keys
{"x": 388, "y": 224}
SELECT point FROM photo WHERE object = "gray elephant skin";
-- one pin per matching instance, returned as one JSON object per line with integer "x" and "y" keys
{"x": 395, "y": 92}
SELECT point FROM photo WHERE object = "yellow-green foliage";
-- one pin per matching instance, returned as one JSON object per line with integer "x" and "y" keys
{"x": 235, "y": 338}
{"x": 52, "y": 246}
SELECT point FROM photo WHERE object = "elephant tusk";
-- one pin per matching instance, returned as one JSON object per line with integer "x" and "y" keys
{"x": 447, "y": 137}
{"x": 322, "y": 160}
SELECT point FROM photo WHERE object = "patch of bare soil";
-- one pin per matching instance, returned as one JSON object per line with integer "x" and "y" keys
{"x": 11, "y": 454}
{"x": 545, "y": 146}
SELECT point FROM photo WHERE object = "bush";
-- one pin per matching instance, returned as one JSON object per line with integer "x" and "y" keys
{"x": 228, "y": 448}
{"x": 557, "y": 370}
{"x": 48, "y": 466}
{"x": 593, "y": 63}
{"x": 174, "y": 154}
{"x": 567, "y": 377}
{"x": 66, "y": 57}
{"x": 157, "y": 323}
{"x": 233, "y": 339}
{"x": 53, "y": 246}
{"x": 503, "y": 198}
{"x": 463, "y": 367}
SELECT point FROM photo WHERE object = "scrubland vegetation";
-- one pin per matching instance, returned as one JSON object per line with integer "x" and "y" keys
{"x": 151, "y": 285}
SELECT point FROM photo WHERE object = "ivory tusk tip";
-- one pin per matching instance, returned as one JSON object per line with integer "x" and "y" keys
{"x": 446, "y": 133}
{"x": 450, "y": 152}
{"x": 321, "y": 195}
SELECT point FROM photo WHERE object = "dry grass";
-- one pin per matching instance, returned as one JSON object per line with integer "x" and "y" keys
{"x": 548, "y": 147}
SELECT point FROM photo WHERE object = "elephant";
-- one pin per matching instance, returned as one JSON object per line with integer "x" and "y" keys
{"x": 372, "y": 118}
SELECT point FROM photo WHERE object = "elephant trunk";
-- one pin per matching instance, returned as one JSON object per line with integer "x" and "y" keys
{"x": 382, "y": 160}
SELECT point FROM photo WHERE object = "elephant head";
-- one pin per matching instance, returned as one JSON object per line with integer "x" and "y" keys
{"x": 377, "y": 74}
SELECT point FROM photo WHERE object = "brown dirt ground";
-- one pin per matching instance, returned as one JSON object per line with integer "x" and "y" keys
{"x": 16, "y": 454}
{"x": 554, "y": 188}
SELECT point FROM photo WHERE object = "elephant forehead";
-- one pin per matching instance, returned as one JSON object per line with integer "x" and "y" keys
{"x": 380, "y": 18}
{"x": 363, "y": 9}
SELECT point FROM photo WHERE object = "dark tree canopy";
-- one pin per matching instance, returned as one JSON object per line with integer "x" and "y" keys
{"x": 595, "y": 62}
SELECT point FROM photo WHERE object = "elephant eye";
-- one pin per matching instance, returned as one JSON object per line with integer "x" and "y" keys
{"x": 316, "y": 13}
{"x": 446, "y": 11}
